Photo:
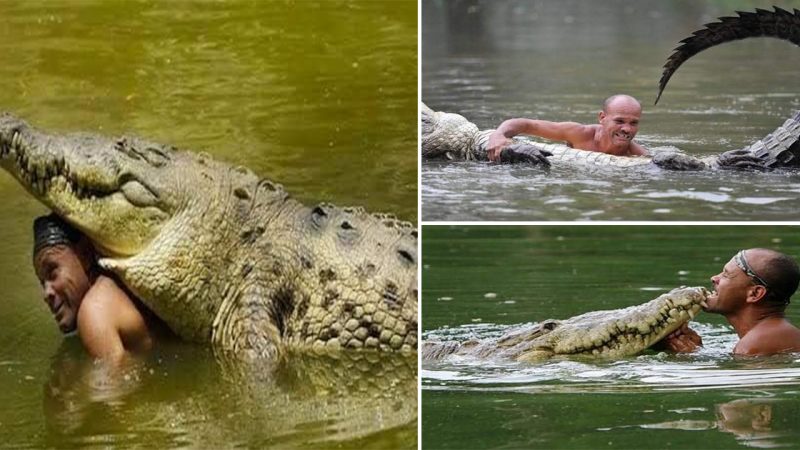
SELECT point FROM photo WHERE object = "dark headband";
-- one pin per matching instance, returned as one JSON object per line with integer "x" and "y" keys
{"x": 52, "y": 230}
{"x": 741, "y": 261}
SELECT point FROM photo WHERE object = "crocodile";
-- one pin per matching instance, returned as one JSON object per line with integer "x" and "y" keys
{"x": 451, "y": 136}
{"x": 223, "y": 256}
{"x": 598, "y": 334}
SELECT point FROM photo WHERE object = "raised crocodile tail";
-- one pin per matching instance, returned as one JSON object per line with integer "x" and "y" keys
{"x": 438, "y": 350}
{"x": 780, "y": 24}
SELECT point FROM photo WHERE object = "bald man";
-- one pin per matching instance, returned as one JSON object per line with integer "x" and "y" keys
{"x": 618, "y": 125}
{"x": 752, "y": 292}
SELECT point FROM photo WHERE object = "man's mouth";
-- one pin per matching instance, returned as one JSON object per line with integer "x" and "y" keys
{"x": 712, "y": 297}
{"x": 55, "y": 307}
{"x": 623, "y": 136}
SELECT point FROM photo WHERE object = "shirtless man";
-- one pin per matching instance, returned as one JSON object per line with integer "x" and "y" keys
{"x": 619, "y": 123}
{"x": 752, "y": 292}
{"x": 110, "y": 325}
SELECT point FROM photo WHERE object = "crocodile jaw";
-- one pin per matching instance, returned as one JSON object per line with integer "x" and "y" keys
{"x": 622, "y": 332}
{"x": 87, "y": 182}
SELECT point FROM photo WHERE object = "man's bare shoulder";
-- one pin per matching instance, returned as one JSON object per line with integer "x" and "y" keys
{"x": 587, "y": 131}
{"x": 778, "y": 336}
{"x": 105, "y": 295}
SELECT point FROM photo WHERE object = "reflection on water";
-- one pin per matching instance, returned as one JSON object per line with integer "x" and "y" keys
{"x": 750, "y": 420}
{"x": 491, "y": 61}
{"x": 304, "y": 401}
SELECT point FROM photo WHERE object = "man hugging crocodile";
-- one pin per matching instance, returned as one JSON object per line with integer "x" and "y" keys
{"x": 618, "y": 125}
{"x": 752, "y": 292}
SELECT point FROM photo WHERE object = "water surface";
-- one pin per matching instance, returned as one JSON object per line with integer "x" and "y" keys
{"x": 320, "y": 97}
{"x": 479, "y": 281}
{"x": 491, "y": 61}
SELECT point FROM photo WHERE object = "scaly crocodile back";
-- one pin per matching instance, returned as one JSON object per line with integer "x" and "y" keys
{"x": 446, "y": 135}
{"x": 781, "y": 148}
{"x": 779, "y": 24}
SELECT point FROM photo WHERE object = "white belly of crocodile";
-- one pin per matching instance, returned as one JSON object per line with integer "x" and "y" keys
{"x": 570, "y": 156}
{"x": 562, "y": 153}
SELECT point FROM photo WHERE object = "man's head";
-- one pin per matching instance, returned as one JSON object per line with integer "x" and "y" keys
{"x": 756, "y": 276}
{"x": 63, "y": 261}
{"x": 620, "y": 119}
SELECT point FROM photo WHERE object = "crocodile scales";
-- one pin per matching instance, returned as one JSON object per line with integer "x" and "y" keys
{"x": 221, "y": 255}
{"x": 597, "y": 334}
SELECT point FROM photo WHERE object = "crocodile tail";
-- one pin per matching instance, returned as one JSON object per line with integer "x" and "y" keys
{"x": 779, "y": 24}
{"x": 438, "y": 350}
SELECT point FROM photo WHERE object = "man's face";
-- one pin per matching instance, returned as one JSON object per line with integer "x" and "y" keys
{"x": 64, "y": 282}
{"x": 621, "y": 121}
{"x": 730, "y": 289}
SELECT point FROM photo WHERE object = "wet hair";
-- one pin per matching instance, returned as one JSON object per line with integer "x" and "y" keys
{"x": 781, "y": 273}
{"x": 607, "y": 102}
{"x": 52, "y": 230}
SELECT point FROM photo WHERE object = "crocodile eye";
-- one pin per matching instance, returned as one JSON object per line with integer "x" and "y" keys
{"x": 138, "y": 194}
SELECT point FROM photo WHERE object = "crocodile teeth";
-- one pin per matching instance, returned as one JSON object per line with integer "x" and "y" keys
{"x": 704, "y": 304}
{"x": 692, "y": 313}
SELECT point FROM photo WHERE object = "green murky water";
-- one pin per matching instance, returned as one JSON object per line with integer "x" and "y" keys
{"x": 479, "y": 280}
{"x": 318, "y": 96}
{"x": 491, "y": 61}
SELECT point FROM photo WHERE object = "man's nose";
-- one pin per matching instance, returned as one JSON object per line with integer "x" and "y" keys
{"x": 715, "y": 279}
{"x": 49, "y": 295}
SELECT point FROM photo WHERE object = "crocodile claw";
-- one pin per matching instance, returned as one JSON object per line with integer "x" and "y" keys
{"x": 741, "y": 160}
{"x": 525, "y": 153}
{"x": 677, "y": 161}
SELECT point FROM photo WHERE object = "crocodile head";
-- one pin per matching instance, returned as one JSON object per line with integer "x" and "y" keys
{"x": 115, "y": 193}
{"x": 153, "y": 213}
{"x": 614, "y": 333}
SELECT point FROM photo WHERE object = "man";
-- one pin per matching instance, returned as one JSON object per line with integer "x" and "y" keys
{"x": 110, "y": 325}
{"x": 619, "y": 123}
{"x": 752, "y": 292}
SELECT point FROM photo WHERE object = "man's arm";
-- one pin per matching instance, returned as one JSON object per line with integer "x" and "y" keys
{"x": 557, "y": 131}
{"x": 109, "y": 323}
{"x": 638, "y": 150}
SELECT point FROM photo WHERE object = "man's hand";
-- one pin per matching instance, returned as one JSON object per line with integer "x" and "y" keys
{"x": 682, "y": 340}
{"x": 497, "y": 142}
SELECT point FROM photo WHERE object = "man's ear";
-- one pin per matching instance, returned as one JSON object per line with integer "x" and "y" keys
{"x": 756, "y": 293}
{"x": 601, "y": 115}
